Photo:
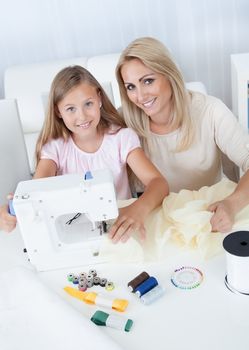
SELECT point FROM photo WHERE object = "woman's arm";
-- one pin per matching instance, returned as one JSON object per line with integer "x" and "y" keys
{"x": 225, "y": 210}
{"x": 132, "y": 217}
{"x": 234, "y": 143}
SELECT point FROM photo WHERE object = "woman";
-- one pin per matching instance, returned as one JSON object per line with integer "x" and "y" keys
{"x": 183, "y": 132}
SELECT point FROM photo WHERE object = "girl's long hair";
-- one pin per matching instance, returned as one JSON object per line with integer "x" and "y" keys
{"x": 67, "y": 79}
{"x": 153, "y": 54}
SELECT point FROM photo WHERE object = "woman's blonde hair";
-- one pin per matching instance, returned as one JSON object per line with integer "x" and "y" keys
{"x": 67, "y": 79}
{"x": 153, "y": 54}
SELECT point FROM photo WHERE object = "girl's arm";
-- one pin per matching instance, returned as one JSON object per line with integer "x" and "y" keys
{"x": 7, "y": 221}
{"x": 45, "y": 168}
{"x": 132, "y": 217}
{"x": 225, "y": 210}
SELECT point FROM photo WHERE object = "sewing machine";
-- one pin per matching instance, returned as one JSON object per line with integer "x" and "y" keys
{"x": 62, "y": 219}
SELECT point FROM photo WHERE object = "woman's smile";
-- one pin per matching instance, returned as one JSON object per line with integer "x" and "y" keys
{"x": 149, "y": 103}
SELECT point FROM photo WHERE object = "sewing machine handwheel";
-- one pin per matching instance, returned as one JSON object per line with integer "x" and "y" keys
{"x": 11, "y": 209}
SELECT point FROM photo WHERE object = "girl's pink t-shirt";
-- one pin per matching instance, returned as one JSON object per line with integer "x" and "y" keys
{"x": 112, "y": 154}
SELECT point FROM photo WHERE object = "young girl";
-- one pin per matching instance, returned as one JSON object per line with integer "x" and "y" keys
{"x": 83, "y": 131}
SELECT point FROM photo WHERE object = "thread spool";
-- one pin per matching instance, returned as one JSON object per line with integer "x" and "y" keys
{"x": 133, "y": 284}
{"x": 96, "y": 281}
{"x": 146, "y": 286}
{"x": 89, "y": 283}
{"x": 83, "y": 275}
{"x": 82, "y": 287}
{"x": 109, "y": 286}
{"x": 151, "y": 296}
{"x": 103, "y": 282}
{"x": 236, "y": 245}
{"x": 93, "y": 273}
{"x": 70, "y": 277}
{"x": 75, "y": 280}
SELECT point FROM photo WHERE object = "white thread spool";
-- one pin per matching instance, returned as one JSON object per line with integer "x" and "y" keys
{"x": 236, "y": 245}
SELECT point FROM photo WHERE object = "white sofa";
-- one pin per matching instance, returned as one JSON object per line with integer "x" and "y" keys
{"x": 13, "y": 155}
{"x": 29, "y": 85}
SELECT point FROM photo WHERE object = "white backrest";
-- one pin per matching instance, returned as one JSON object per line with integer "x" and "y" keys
{"x": 196, "y": 86}
{"x": 30, "y": 85}
{"x": 13, "y": 154}
{"x": 103, "y": 68}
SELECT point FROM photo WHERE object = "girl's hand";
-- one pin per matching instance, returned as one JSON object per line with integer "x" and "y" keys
{"x": 130, "y": 219}
{"x": 7, "y": 221}
{"x": 223, "y": 217}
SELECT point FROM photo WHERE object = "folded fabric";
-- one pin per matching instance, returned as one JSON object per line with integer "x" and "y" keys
{"x": 102, "y": 318}
{"x": 182, "y": 221}
{"x": 97, "y": 299}
{"x": 33, "y": 317}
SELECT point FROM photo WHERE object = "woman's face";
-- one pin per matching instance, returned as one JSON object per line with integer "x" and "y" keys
{"x": 147, "y": 89}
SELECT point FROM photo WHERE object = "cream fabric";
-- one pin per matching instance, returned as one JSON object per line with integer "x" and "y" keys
{"x": 182, "y": 222}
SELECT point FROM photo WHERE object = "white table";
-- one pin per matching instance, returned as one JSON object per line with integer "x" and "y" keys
{"x": 207, "y": 317}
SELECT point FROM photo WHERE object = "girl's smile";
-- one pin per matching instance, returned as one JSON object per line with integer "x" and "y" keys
{"x": 80, "y": 109}
{"x": 84, "y": 125}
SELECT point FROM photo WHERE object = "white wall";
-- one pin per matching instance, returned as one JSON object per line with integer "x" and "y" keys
{"x": 200, "y": 33}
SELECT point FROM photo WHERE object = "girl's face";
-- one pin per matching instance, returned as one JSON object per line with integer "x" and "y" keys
{"x": 80, "y": 110}
{"x": 147, "y": 89}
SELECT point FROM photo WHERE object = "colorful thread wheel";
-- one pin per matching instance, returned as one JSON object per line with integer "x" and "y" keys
{"x": 187, "y": 277}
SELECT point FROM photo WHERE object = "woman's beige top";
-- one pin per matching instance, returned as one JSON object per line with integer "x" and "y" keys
{"x": 217, "y": 130}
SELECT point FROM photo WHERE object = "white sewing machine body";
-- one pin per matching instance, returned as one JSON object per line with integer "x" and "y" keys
{"x": 46, "y": 208}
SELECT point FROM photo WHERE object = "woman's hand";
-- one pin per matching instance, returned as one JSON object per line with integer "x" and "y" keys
{"x": 7, "y": 221}
{"x": 225, "y": 210}
{"x": 223, "y": 217}
{"x": 130, "y": 219}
